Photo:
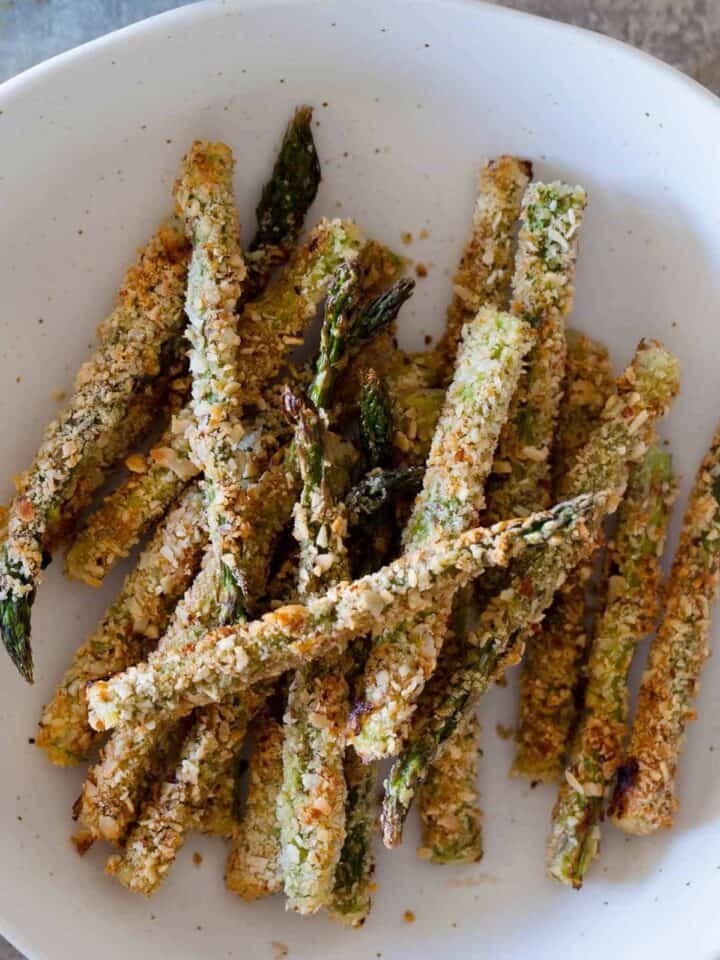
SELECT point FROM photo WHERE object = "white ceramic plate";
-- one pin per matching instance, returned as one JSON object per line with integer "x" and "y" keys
{"x": 410, "y": 97}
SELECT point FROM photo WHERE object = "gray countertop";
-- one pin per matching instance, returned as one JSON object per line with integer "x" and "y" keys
{"x": 686, "y": 33}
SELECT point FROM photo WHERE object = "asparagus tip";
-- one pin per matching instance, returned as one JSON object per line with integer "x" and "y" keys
{"x": 15, "y": 629}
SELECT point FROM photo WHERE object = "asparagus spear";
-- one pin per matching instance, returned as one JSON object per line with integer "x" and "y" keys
{"x": 166, "y": 393}
{"x": 285, "y": 200}
{"x": 644, "y": 393}
{"x": 401, "y": 660}
{"x": 553, "y": 658}
{"x": 139, "y": 615}
{"x": 644, "y": 798}
{"x": 376, "y": 490}
{"x": 232, "y": 658}
{"x": 630, "y": 614}
{"x": 483, "y": 275}
{"x": 147, "y": 318}
{"x": 351, "y": 898}
{"x": 450, "y": 814}
{"x": 311, "y": 801}
{"x": 543, "y": 294}
{"x": 208, "y": 749}
{"x": 253, "y": 867}
{"x": 204, "y": 199}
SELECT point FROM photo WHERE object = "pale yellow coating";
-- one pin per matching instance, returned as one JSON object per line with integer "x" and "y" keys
{"x": 253, "y": 866}
{"x": 485, "y": 268}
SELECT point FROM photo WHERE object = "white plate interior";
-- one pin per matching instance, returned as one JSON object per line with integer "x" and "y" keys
{"x": 410, "y": 98}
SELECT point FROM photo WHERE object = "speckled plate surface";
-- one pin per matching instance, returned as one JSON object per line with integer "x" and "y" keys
{"x": 411, "y": 97}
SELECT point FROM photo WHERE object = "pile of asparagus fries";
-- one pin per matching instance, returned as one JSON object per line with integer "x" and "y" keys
{"x": 340, "y": 556}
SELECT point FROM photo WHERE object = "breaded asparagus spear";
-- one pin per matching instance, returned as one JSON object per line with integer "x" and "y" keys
{"x": 311, "y": 802}
{"x": 450, "y": 814}
{"x": 147, "y": 319}
{"x": 400, "y": 661}
{"x": 483, "y": 275}
{"x": 165, "y": 393}
{"x": 152, "y": 845}
{"x": 351, "y": 897}
{"x": 630, "y": 613}
{"x": 284, "y": 202}
{"x": 253, "y": 867}
{"x": 543, "y": 294}
{"x": 204, "y": 199}
{"x": 645, "y": 798}
{"x": 139, "y": 615}
{"x": 172, "y": 682}
{"x": 644, "y": 393}
{"x": 550, "y": 670}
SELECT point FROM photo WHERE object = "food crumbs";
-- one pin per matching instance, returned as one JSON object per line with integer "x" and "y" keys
{"x": 407, "y": 238}
{"x": 197, "y": 858}
{"x": 82, "y": 841}
{"x": 421, "y": 270}
{"x": 505, "y": 733}
{"x": 428, "y": 339}
{"x": 424, "y": 234}
{"x": 280, "y": 949}
{"x": 409, "y": 916}
{"x": 58, "y": 395}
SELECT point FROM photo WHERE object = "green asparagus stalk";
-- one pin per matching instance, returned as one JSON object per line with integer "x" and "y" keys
{"x": 550, "y": 673}
{"x": 400, "y": 662}
{"x": 284, "y": 202}
{"x": 229, "y": 659}
{"x": 645, "y": 798}
{"x": 630, "y": 614}
{"x": 147, "y": 319}
{"x": 376, "y": 422}
{"x": 644, "y": 393}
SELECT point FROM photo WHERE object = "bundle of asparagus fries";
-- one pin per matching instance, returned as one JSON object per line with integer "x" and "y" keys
{"x": 340, "y": 556}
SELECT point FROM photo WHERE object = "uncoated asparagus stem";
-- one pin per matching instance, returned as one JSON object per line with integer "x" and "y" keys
{"x": 630, "y": 613}
{"x": 645, "y": 798}
{"x": 543, "y": 294}
{"x": 285, "y": 200}
{"x": 147, "y": 319}
{"x": 165, "y": 569}
{"x": 400, "y": 661}
{"x": 644, "y": 393}
{"x": 551, "y": 667}
{"x": 483, "y": 275}
{"x": 253, "y": 867}
{"x": 232, "y": 658}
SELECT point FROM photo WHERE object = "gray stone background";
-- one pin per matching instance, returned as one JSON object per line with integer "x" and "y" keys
{"x": 685, "y": 33}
